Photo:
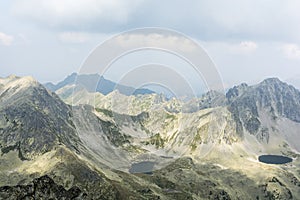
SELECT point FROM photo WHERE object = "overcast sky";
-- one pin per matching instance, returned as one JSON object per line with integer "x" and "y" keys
{"x": 248, "y": 40}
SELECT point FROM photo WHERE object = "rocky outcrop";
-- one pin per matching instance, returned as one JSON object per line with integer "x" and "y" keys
{"x": 32, "y": 119}
{"x": 271, "y": 95}
{"x": 41, "y": 188}
{"x": 274, "y": 189}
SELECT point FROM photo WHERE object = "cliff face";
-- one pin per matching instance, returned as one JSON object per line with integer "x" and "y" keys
{"x": 277, "y": 99}
{"x": 32, "y": 119}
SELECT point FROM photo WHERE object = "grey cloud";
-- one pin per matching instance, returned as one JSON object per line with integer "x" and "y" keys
{"x": 248, "y": 19}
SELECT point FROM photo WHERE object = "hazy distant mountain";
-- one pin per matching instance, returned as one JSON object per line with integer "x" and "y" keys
{"x": 206, "y": 148}
{"x": 95, "y": 83}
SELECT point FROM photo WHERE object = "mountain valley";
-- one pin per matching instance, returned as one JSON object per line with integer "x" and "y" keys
{"x": 80, "y": 144}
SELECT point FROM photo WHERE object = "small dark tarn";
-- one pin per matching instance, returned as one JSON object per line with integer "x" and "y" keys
{"x": 145, "y": 167}
{"x": 274, "y": 159}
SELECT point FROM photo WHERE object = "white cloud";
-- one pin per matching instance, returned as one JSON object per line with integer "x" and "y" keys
{"x": 170, "y": 42}
{"x": 73, "y": 37}
{"x": 75, "y": 13}
{"x": 243, "y": 47}
{"x": 234, "y": 48}
{"x": 291, "y": 51}
{"x": 247, "y": 46}
{"x": 6, "y": 39}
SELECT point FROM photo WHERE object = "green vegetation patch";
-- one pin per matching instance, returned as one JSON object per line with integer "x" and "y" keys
{"x": 7, "y": 149}
{"x": 113, "y": 134}
{"x": 170, "y": 116}
{"x": 156, "y": 140}
{"x": 134, "y": 149}
{"x": 106, "y": 112}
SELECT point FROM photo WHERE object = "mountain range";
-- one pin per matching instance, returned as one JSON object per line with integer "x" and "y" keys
{"x": 96, "y": 83}
{"x": 82, "y": 143}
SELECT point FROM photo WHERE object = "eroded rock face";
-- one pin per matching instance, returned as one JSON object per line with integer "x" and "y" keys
{"x": 33, "y": 120}
{"x": 41, "y": 188}
{"x": 277, "y": 98}
{"x": 274, "y": 189}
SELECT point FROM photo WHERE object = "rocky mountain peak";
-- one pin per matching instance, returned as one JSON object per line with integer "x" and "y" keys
{"x": 271, "y": 96}
{"x": 96, "y": 83}
{"x": 32, "y": 119}
{"x": 17, "y": 82}
{"x": 236, "y": 91}
{"x": 273, "y": 80}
